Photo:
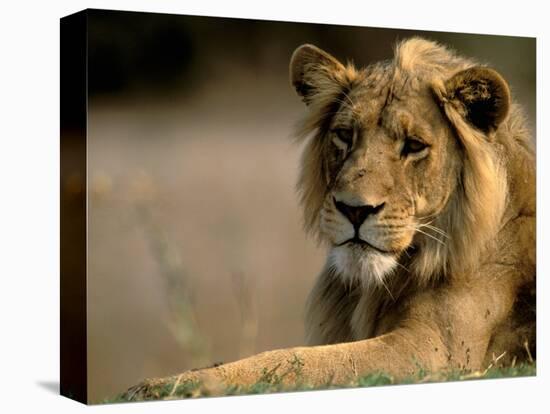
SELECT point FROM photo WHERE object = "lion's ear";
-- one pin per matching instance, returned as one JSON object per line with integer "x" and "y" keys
{"x": 481, "y": 95}
{"x": 313, "y": 70}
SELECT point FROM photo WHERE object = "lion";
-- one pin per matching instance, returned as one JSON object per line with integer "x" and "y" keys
{"x": 418, "y": 175}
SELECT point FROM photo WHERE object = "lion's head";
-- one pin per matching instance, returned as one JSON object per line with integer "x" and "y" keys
{"x": 399, "y": 168}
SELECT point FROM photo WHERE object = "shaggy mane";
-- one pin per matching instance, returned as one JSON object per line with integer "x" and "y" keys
{"x": 474, "y": 211}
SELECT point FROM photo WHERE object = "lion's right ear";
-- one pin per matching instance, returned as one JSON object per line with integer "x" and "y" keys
{"x": 313, "y": 71}
{"x": 481, "y": 96}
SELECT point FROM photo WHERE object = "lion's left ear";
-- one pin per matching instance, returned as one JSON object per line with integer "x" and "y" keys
{"x": 314, "y": 72}
{"x": 481, "y": 95}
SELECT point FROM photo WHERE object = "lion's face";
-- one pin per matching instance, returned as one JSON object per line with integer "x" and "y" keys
{"x": 391, "y": 165}
{"x": 385, "y": 161}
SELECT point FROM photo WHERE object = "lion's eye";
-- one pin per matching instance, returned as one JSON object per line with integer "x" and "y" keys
{"x": 413, "y": 146}
{"x": 344, "y": 135}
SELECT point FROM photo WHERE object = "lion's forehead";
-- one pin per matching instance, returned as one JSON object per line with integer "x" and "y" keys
{"x": 378, "y": 78}
{"x": 397, "y": 114}
{"x": 375, "y": 78}
{"x": 383, "y": 94}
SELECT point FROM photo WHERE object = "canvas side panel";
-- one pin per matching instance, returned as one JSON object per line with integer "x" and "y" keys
{"x": 73, "y": 67}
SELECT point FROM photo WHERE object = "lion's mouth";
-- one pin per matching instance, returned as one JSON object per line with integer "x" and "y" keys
{"x": 356, "y": 241}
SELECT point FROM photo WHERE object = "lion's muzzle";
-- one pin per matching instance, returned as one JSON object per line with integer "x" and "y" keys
{"x": 357, "y": 214}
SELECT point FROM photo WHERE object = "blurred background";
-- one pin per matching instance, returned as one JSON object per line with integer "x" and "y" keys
{"x": 196, "y": 251}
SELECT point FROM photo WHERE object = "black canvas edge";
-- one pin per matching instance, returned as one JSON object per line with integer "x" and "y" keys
{"x": 73, "y": 207}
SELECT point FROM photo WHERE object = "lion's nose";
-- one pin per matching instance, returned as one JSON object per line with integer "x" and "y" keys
{"x": 357, "y": 214}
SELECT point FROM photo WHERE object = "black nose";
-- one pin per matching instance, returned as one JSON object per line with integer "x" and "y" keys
{"x": 357, "y": 214}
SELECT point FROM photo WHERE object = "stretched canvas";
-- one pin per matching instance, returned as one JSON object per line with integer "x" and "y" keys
{"x": 260, "y": 206}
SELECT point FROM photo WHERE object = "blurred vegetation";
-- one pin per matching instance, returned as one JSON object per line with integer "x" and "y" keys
{"x": 179, "y": 294}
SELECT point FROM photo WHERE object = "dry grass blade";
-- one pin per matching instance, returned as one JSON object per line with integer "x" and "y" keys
{"x": 175, "y": 387}
{"x": 243, "y": 289}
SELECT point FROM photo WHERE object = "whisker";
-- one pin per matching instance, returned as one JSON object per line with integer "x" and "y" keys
{"x": 350, "y": 106}
{"x": 436, "y": 229}
{"x": 430, "y": 236}
{"x": 401, "y": 266}
{"x": 387, "y": 289}
{"x": 428, "y": 216}
{"x": 348, "y": 98}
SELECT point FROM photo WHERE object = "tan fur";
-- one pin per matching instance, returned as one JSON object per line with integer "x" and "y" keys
{"x": 444, "y": 276}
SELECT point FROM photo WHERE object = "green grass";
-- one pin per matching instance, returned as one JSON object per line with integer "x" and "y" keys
{"x": 270, "y": 383}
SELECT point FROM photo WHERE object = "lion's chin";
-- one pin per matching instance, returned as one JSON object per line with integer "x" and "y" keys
{"x": 361, "y": 264}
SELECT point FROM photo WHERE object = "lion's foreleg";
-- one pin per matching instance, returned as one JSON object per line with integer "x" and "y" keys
{"x": 399, "y": 354}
